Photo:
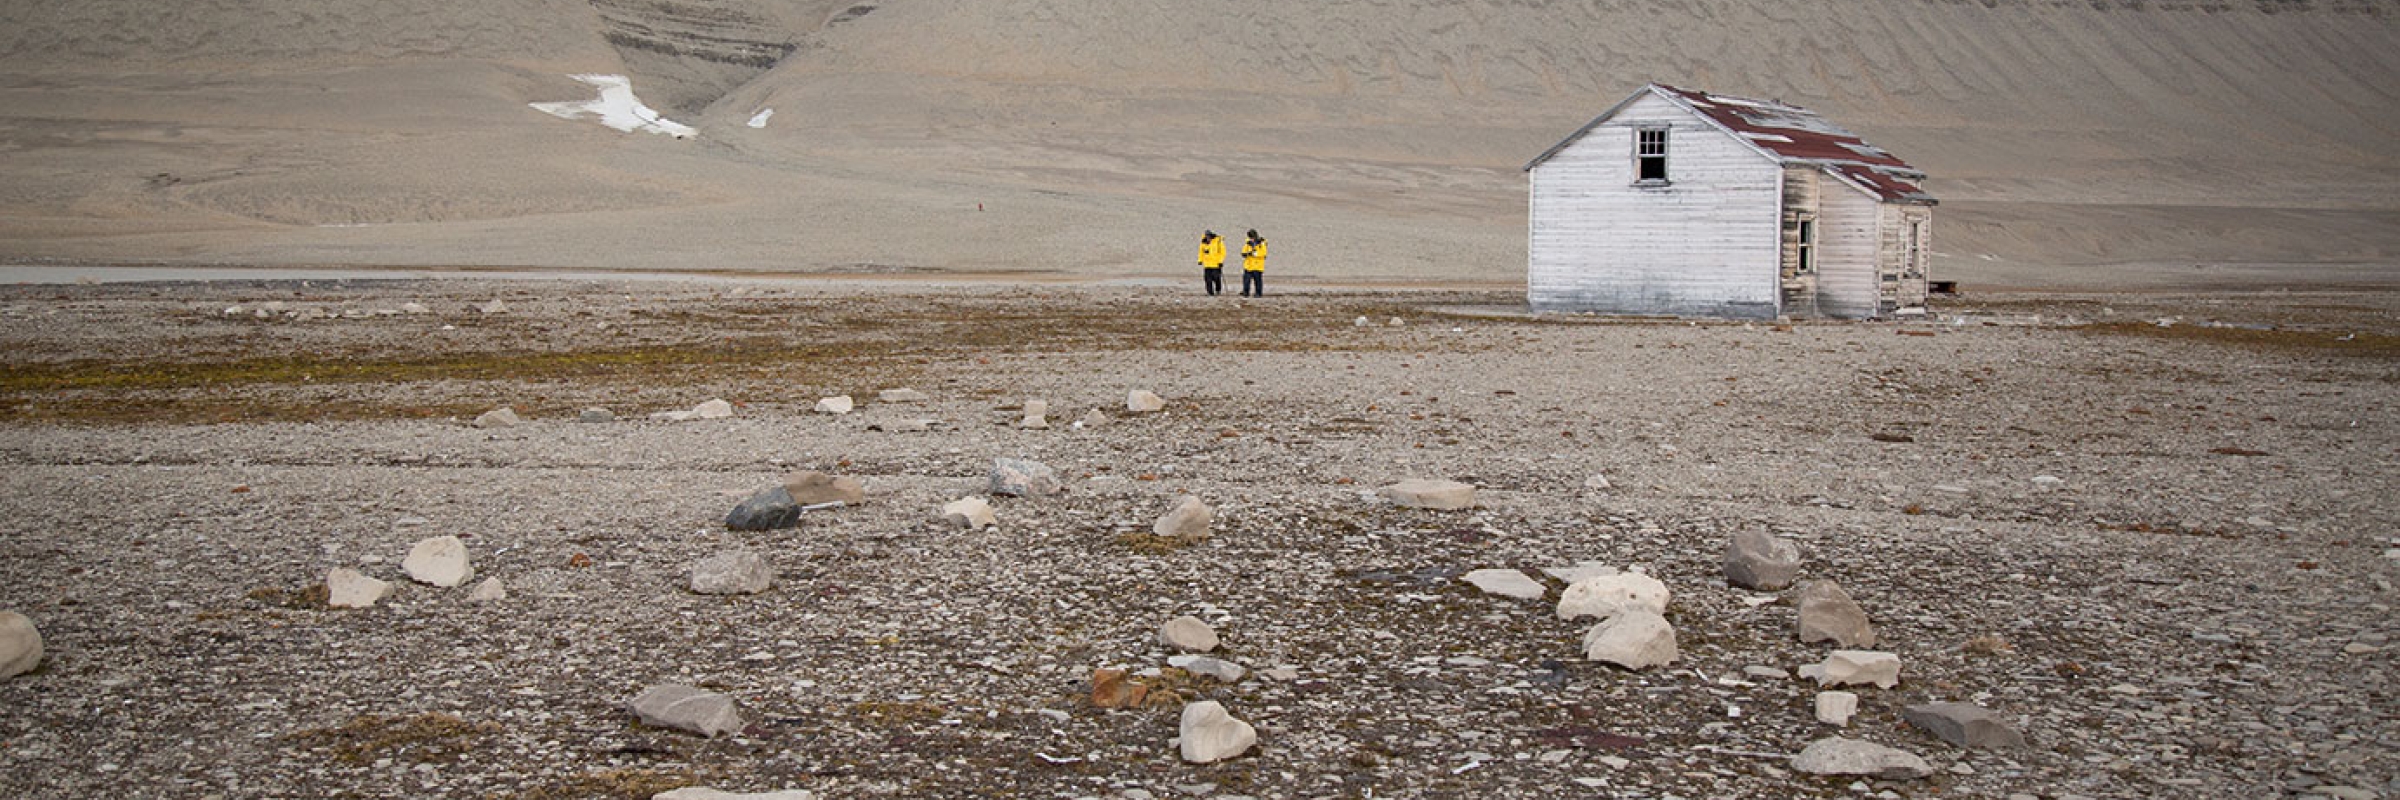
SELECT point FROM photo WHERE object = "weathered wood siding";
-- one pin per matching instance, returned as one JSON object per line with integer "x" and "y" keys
{"x": 1799, "y": 202}
{"x": 1850, "y": 251}
{"x": 1904, "y": 284}
{"x": 1703, "y": 245}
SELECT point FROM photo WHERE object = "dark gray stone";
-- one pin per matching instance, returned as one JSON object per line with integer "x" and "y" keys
{"x": 1761, "y": 561}
{"x": 1965, "y": 725}
{"x": 1827, "y": 614}
{"x": 770, "y": 509}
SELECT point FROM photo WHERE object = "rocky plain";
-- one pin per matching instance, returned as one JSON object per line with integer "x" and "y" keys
{"x": 2116, "y": 545}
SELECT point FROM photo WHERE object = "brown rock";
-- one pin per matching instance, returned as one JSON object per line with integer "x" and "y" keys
{"x": 814, "y": 488}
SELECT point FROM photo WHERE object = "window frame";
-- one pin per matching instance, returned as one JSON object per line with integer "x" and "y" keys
{"x": 1643, "y": 155}
{"x": 1804, "y": 246}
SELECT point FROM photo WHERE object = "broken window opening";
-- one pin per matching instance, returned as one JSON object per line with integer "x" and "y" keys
{"x": 1650, "y": 155}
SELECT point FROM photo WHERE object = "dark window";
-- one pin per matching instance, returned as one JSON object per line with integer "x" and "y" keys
{"x": 1650, "y": 155}
{"x": 1808, "y": 243}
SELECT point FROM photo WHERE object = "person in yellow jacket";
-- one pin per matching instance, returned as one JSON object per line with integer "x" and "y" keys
{"x": 1212, "y": 263}
{"x": 1254, "y": 266}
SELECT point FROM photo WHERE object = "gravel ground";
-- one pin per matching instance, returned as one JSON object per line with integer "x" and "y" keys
{"x": 2164, "y": 552}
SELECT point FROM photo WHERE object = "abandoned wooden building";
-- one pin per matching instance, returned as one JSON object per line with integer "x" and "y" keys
{"x": 1686, "y": 203}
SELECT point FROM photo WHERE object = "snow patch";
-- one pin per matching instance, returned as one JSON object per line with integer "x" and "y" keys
{"x": 760, "y": 119}
{"x": 617, "y": 108}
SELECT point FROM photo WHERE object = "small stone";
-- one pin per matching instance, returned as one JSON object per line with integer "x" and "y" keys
{"x": 1964, "y": 724}
{"x": 413, "y": 308}
{"x": 1189, "y": 521}
{"x": 1606, "y": 595}
{"x": 970, "y": 513}
{"x": 1836, "y": 708}
{"x": 1827, "y": 614}
{"x": 493, "y": 307}
{"x": 1210, "y": 735}
{"x": 1839, "y": 756}
{"x": 713, "y": 409}
{"x": 1361, "y": 322}
{"x": 1111, "y": 688}
{"x": 1766, "y": 673}
{"x": 1141, "y": 401}
{"x": 1850, "y": 667}
{"x": 904, "y": 426}
{"x": 1431, "y": 494}
{"x": 348, "y": 588}
{"x": 900, "y": 396}
{"x": 770, "y": 509}
{"x": 817, "y": 488}
{"x": 20, "y": 645}
{"x": 1092, "y": 419}
{"x": 1506, "y": 583}
{"x": 1596, "y": 483}
{"x": 1189, "y": 634}
{"x": 1217, "y": 668}
{"x": 1634, "y": 639}
{"x": 1037, "y": 415}
{"x": 438, "y": 561}
{"x": 502, "y": 417}
{"x": 491, "y": 590}
{"x": 1017, "y": 477}
{"x": 733, "y": 572}
{"x": 837, "y": 405}
{"x": 596, "y": 415}
{"x": 703, "y": 793}
{"x": 1761, "y": 561}
{"x": 687, "y": 709}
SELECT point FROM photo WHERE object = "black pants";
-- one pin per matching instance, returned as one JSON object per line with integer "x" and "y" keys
{"x": 1213, "y": 279}
{"x": 1254, "y": 284}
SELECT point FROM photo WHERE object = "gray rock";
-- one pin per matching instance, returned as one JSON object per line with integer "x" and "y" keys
{"x": 1836, "y": 708}
{"x": 1431, "y": 494}
{"x": 491, "y": 590}
{"x": 596, "y": 415}
{"x": 685, "y": 708}
{"x": 836, "y": 406}
{"x": 912, "y": 425}
{"x": 732, "y": 572}
{"x": 1140, "y": 401}
{"x": 1762, "y": 561}
{"x": 1189, "y": 521}
{"x": 1210, "y": 735}
{"x": 1964, "y": 724}
{"x": 1839, "y": 756}
{"x": 1606, "y": 595}
{"x": 20, "y": 645}
{"x": 1037, "y": 415}
{"x": 1634, "y": 639}
{"x": 1506, "y": 583}
{"x": 348, "y": 588}
{"x": 817, "y": 488}
{"x": 1092, "y": 419}
{"x": 1217, "y": 668}
{"x": 1827, "y": 614}
{"x": 1018, "y": 477}
{"x": 438, "y": 561}
{"x": 502, "y": 417}
{"x": 900, "y": 396}
{"x": 713, "y": 409}
{"x": 771, "y": 509}
{"x": 1849, "y": 667}
{"x": 1189, "y": 634}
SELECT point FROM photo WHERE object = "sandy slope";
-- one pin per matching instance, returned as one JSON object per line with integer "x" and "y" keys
{"x": 1372, "y": 139}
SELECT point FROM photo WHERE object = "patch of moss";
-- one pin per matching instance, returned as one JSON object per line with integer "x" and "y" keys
{"x": 425, "y": 738}
{"x": 2371, "y": 345}
{"x": 311, "y": 598}
{"x": 1151, "y": 544}
{"x": 615, "y": 784}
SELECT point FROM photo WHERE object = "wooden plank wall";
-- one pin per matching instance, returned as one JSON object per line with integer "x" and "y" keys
{"x": 1851, "y": 234}
{"x": 1705, "y": 245}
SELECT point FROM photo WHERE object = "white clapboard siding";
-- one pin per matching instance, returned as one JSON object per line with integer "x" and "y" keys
{"x": 1706, "y": 244}
{"x": 1849, "y": 251}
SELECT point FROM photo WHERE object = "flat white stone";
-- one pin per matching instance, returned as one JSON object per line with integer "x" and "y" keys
{"x": 349, "y": 588}
{"x": 1506, "y": 583}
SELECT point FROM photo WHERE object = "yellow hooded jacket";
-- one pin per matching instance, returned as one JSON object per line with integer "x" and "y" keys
{"x": 1212, "y": 254}
{"x": 1254, "y": 256}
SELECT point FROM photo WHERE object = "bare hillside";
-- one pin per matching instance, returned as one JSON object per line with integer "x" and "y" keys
{"x": 1375, "y": 139}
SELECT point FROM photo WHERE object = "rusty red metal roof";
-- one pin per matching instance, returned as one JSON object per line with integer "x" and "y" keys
{"x": 1789, "y": 134}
